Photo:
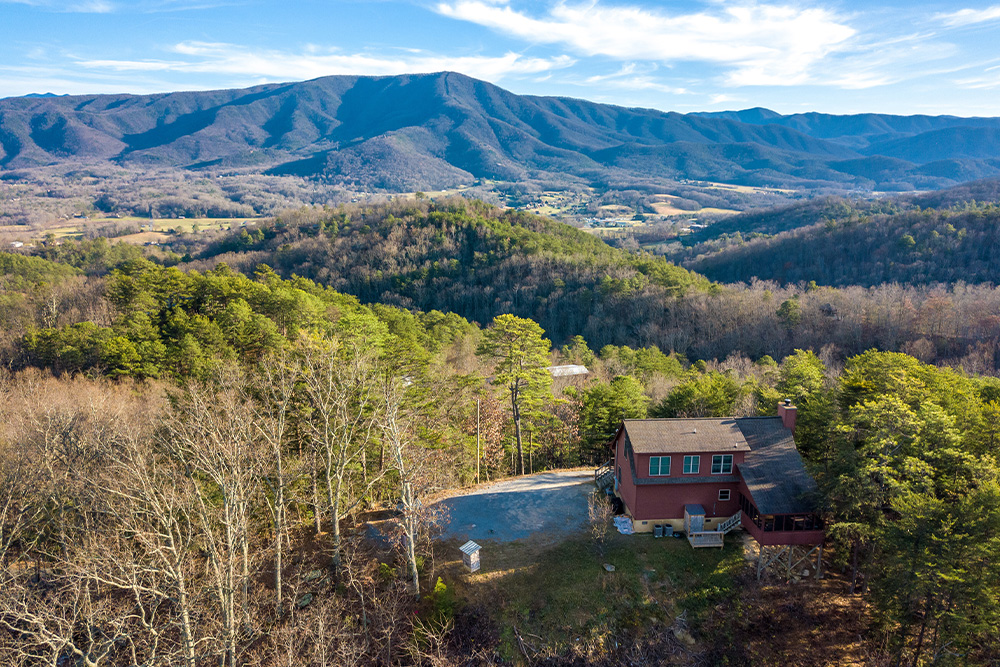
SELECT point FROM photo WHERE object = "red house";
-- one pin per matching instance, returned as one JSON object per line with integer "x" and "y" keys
{"x": 706, "y": 477}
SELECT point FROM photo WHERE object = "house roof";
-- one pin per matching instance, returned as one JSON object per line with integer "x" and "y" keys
{"x": 773, "y": 470}
{"x": 564, "y": 371}
{"x": 469, "y": 547}
{"x": 676, "y": 436}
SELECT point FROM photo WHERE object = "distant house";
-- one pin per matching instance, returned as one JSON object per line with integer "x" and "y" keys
{"x": 706, "y": 477}
{"x": 567, "y": 371}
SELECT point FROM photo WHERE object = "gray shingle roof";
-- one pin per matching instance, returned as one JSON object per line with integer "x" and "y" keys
{"x": 670, "y": 436}
{"x": 773, "y": 470}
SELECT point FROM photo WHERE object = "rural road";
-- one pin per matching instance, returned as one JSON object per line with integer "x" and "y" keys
{"x": 546, "y": 503}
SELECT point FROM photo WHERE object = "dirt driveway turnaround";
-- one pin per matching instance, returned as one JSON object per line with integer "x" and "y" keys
{"x": 546, "y": 503}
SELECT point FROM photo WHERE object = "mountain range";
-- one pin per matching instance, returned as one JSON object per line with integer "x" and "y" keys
{"x": 434, "y": 130}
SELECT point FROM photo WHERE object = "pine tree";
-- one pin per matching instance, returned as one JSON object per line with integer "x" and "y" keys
{"x": 520, "y": 355}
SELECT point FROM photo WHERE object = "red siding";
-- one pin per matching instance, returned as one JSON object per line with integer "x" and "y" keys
{"x": 773, "y": 538}
{"x": 677, "y": 464}
{"x": 626, "y": 489}
{"x": 781, "y": 537}
{"x": 667, "y": 501}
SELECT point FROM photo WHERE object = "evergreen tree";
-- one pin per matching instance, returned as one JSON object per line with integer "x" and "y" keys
{"x": 520, "y": 355}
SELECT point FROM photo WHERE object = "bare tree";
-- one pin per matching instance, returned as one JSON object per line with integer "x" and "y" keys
{"x": 153, "y": 502}
{"x": 275, "y": 388}
{"x": 340, "y": 383}
{"x": 98, "y": 597}
{"x": 214, "y": 436}
{"x": 18, "y": 509}
{"x": 68, "y": 617}
{"x": 415, "y": 467}
{"x": 599, "y": 513}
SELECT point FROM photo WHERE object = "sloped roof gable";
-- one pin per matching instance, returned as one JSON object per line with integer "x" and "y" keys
{"x": 773, "y": 470}
{"x": 676, "y": 436}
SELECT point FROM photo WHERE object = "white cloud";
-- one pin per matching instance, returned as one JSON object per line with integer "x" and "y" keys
{"x": 889, "y": 61}
{"x": 760, "y": 44}
{"x": 128, "y": 6}
{"x": 723, "y": 98}
{"x": 232, "y": 59}
{"x": 964, "y": 17}
{"x": 84, "y": 7}
{"x": 92, "y": 7}
{"x": 988, "y": 82}
{"x": 22, "y": 80}
{"x": 632, "y": 77}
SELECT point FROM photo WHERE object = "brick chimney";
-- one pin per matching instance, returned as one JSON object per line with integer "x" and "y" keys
{"x": 787, "y": 413}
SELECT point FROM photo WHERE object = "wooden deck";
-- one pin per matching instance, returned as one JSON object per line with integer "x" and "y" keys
{"x": 708, "y": 538}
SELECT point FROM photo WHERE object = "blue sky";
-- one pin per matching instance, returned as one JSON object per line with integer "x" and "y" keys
{"x": 837, "y": 57}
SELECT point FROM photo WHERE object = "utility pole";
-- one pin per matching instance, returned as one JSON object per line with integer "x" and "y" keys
{"x": 477, "y": 440}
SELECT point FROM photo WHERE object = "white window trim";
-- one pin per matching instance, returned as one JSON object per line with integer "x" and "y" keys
{"x": 722, "y": 464}
{"x": 695, "y": 457}
{"x": 660, "y": 474}
{"x": 728, "y": 492}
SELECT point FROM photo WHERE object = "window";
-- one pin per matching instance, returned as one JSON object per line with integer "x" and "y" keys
{"x": 692, "y": 465}
{"x": 659, "y": 466}
{"x": 724, "y": 494}
{"x": 722, "y": 464}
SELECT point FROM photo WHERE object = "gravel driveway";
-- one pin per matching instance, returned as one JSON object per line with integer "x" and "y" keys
{"x": 547, "y": 503}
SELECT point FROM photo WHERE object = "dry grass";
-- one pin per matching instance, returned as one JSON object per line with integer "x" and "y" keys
{"x": 551, "y": 601}
{"x": 560, "y": 592}
{"x": 75, "y": 228}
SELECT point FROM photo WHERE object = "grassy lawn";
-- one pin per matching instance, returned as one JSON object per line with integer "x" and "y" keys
{"x": 559, "y": 597}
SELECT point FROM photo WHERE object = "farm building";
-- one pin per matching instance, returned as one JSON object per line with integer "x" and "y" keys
{"x": 707, "y": 477}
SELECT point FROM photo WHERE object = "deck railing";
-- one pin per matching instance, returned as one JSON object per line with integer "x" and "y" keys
{"x": 604, "y": 476}
{"x": 730, "y": 523}
{"x": 708, "y": 538}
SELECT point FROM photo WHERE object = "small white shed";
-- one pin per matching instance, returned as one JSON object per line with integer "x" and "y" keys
{"x": 470, "y": 555}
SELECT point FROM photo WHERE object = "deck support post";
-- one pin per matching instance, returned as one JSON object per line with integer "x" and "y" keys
{"x": 784, "y": 558}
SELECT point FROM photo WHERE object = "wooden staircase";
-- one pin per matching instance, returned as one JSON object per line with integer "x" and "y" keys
{"x": 604, "y": 476}
{"x": 729, "y": 524}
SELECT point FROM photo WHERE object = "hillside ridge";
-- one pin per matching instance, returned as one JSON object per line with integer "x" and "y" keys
{"x": 426, "y": 131}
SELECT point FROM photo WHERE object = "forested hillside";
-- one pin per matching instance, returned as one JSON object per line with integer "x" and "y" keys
{"x": 915, "y": 247}
{"x": 460, "y": 256}
{"x": 480, "y": 261}
{"x": 943, "y": 237}
{"x": 188, "y": 459}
